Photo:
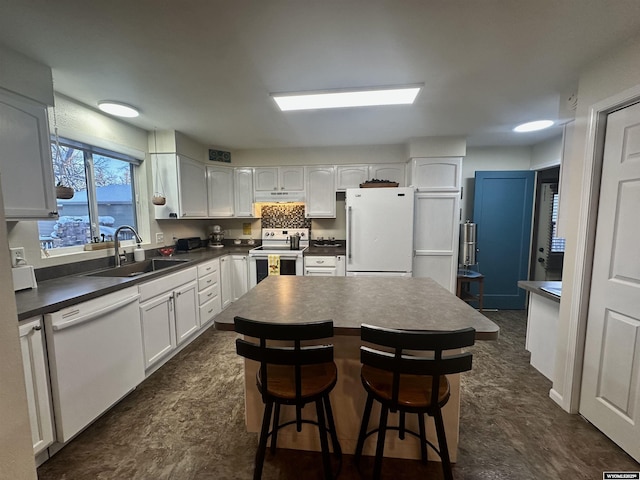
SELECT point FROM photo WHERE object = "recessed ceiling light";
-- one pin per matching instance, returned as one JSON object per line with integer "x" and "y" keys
{"x": 533, "y": 126}
{"x": 118, "y": 108}
{"x": 346, "y": 98}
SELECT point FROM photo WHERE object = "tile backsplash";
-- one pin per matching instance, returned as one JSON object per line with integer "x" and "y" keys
{"x": 284, "y": 216}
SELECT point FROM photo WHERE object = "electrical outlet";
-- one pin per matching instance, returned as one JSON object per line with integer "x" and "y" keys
{"x": 17, "y": 256}
{"x": 160, "y": 237}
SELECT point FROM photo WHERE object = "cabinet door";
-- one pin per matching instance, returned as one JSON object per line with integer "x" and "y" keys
{"x": 158, "y": 328}
{"x": 186, "y": 311}
{"x": 226, "y": 284}
{"x": 239, "y": 276}
{"x": 26, "y": 171}
{"x": 321, "y": 192}
{"x": 394, "y": 172}
{"x": 244, "y": 192}
{"x": 341, "y": 265}
{"x": 436, "y": 174}
{"x": 165, "y": 184}
{"x": 36, "y": 376}
{"x": 351, "y": 176}
{"x": 291, "y": 179}
{"x": 435, "y": 239}
{"x": 192, "y": 182}
{"x": 266, "y": 179}
{"x": 220, "y": 191}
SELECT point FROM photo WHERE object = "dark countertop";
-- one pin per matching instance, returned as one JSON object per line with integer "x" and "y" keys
{"x": 314, "y": 251}
{"x": 536, "y": 286}
{"x": 64, "y": 291}
{"x": 405, "y": 303}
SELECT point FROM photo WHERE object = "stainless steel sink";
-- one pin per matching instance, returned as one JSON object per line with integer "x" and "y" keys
{"x": 139, "y": 268}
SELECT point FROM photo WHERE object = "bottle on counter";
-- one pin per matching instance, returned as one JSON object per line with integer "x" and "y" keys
{"x": 138, "y": 254}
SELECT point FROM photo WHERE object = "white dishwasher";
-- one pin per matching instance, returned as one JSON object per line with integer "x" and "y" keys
{"x": 95, "y": 358}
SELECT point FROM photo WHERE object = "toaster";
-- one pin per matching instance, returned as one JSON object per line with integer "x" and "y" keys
{"x": 186, "y": 244}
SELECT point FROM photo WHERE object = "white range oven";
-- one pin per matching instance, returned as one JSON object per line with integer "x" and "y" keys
{"x": 275, "y": 241}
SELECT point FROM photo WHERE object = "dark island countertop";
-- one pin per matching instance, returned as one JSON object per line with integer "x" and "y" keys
{"x": 404, "y": 303}
{"x": 548, "y": 289}
{"x": 68, "y": 290}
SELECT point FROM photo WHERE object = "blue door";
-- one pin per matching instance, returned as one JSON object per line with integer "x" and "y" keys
{"x": 502, "y": 211}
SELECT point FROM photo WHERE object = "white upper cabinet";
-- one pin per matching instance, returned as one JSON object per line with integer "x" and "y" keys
{"x": 436, "y": 174}
{"x": 244, "y": 192}
{"x": 26, "y": 170}
{"x": 321, "y": 192}
{"x": 183, "y": 181}
{"x": 220, "y": 191}
{"x": 394, "y": 172}
{"x": 279, "y": 178}
{"x": 351, "y": 176}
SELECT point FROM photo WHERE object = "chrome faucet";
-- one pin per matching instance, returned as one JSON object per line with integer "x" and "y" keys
{"x": 116, "y": 242}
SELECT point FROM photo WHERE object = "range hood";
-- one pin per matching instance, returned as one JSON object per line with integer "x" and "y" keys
{"x": 279, "y": 196}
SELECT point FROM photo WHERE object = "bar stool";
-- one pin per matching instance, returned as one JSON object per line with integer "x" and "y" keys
{"x": 406, "y": 383}
{"x": 292, "y": 375}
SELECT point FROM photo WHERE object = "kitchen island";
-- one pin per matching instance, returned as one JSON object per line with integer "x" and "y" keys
{"x": 403, "y": 303}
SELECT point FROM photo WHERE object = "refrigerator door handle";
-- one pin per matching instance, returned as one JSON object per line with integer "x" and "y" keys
{"x": 349, "y": 236}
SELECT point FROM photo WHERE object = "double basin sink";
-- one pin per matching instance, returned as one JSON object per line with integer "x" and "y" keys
{"x": 138, "y": 269}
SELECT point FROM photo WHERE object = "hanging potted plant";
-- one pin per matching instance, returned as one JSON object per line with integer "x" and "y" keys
{"x": 64, "y": 192}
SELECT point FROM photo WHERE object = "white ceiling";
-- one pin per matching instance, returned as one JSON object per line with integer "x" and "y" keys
{"x": 206, "y": 68}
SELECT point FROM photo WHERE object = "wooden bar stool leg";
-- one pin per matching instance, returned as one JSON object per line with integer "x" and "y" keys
{"x": 442, "y": 444}
{"x": 262, "y": 444}
{"x": 363, "y": 427}
{"x": 401, "y": 429}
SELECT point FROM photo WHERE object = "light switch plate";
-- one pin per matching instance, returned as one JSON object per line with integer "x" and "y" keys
{"x": 160, "y": 237}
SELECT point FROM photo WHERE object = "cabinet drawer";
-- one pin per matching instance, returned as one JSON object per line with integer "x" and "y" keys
{"x": 208, "y": 268}
{"x": 208, "y": 294}
{"x": 319, "y": 261}
{"x": 207, "y": 281}
{"x": 210, "y": 310}
{"x": 168, "y": 282}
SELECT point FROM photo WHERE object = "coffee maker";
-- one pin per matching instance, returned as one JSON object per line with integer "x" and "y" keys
{"x": 216, "y": 237}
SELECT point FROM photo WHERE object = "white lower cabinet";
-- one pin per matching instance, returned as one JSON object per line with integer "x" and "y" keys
{"x": 36, "y": 376}
{"x": 324, "y": 266}
{"x": 169, "y": 313}
{"x": 240, "y": 276}
{"x": 209, "y": 290}
{"x": 234, "y": 278}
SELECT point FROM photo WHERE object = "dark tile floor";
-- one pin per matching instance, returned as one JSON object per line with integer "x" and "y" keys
{"x": 186, "y": 422}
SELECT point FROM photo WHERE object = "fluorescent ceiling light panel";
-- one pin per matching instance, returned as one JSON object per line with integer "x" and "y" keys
{"x": 344, "y": 98}
{"x": 533, "y": 126}
{"x": 118, "y": 108}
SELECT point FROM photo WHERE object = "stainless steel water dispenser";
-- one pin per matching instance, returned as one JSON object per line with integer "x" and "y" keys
{"x": 468, "y": 246}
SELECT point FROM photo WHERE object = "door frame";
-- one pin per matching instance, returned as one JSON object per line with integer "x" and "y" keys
{"x": 569, "y": 400}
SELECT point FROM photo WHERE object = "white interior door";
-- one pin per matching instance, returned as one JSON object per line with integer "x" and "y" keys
{"x": 610, "y": 395}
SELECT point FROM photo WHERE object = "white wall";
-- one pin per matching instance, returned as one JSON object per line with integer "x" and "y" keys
{"x": 547, "y": 154}
{"x": 320, "y": 156}
{"x": 615, "y": 72}
{"x": 489, "y": 158}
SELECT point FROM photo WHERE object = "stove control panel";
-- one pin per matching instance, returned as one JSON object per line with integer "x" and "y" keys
{"x": 283, "y": 234}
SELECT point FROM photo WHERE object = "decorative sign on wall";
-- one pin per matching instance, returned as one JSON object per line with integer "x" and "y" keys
{"x": 219, "y": 156}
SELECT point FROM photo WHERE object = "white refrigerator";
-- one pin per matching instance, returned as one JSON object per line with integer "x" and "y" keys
{"x": 379, "y": 231}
